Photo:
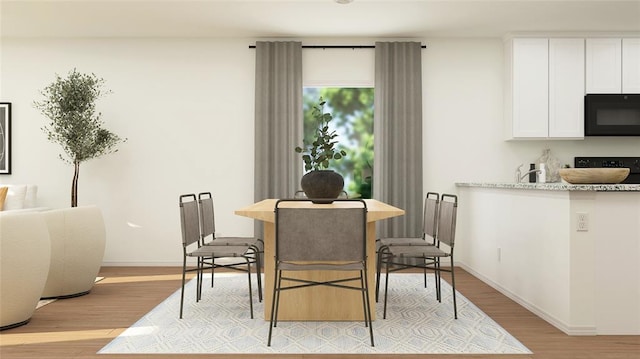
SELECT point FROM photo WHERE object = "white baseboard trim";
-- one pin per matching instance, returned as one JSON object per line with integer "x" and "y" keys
{"x": 567, "y": 329}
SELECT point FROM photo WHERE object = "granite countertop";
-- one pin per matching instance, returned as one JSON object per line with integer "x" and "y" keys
{"x": 555, "y": 186}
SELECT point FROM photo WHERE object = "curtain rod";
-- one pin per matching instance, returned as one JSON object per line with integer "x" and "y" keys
{"x": 336, "y": 46}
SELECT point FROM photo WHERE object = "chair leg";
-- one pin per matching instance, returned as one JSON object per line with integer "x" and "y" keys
{"x": 364, "y": 298}
{"x": 249, "y": 278}
{"x": 425, "y": 273}
{"x": 453, "y": 286}
{"x": 378, "y": 270}
{"x": 199, "y": 278}
{"x": 439, "y": 282}
{"x": 258, "y": 264}
{"x": 367, "y": 303}
{"x": 184, "y": 271}
{"x": 213, "y": 267}
{"x": 276, "y": 282}
{"x": 386, "y": 287}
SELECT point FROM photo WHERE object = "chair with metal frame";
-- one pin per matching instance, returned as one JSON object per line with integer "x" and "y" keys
{"x": 429, "y": 255}
{"x": 191, "y": 247}
{"x": 429, "y": 229}
{"x": 321, "y": 239}
{"x": 208, "y": 238}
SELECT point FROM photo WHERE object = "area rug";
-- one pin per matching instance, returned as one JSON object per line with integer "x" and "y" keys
{"x": 416, "y": 324}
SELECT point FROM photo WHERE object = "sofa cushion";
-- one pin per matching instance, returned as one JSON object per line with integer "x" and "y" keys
{"x": 3, "y": 195}
{"x": 15, "y": 197}
{"x": 30, "y": 198}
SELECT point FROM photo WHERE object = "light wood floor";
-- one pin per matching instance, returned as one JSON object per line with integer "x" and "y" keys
{"x": 79, "y": 327}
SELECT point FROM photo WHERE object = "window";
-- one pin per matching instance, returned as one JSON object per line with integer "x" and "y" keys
{"x": 352, "y": 110}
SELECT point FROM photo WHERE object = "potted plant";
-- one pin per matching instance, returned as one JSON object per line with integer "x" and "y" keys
{"x": 319, "y": 183}
{"x": 70, "y": 105}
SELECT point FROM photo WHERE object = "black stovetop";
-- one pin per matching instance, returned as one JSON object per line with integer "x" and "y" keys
{"x": 633, "y": 163}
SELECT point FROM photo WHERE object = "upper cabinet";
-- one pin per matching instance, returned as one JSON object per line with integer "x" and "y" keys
{"x": 613, "y": 65}
{"x": 530, "y": 87}
{"x": 545, "y": 88}
{"x": 566, "y": 88}
{"x": 630, "y": 65}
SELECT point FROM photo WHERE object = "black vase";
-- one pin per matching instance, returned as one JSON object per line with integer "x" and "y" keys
{"x": 322, "y": 186}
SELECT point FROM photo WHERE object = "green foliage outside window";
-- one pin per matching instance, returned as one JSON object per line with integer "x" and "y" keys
{"x": 352, "y": 110}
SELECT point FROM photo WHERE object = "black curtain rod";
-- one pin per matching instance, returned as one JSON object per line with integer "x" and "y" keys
{"x": 336, "y": 46}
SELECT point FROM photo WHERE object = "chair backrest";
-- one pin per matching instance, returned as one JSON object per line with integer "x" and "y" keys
{"x": 314, "y": 233}
{"x": 189, "y": 219}
{"x": 207, "y": 215}
{"x": 447, "y": 219}
{"x": 430, "y": 219}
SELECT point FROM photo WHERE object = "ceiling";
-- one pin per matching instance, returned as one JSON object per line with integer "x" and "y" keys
{"x": 312, "y": 18}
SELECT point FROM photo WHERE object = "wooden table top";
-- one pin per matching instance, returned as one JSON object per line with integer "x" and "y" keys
{"x": 264, "y": 210}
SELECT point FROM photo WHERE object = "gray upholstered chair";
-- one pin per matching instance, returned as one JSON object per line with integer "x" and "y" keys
{"x": 191, "y": 247}
{"x": 398, "y": 255}
{"x": 321, "y": 239}
{"x": 429, "y": 228}
{"x": 208, "y": 238}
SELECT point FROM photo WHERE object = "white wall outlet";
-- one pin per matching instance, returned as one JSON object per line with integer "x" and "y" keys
{"x": 583, "y": 222}
{"x": 499, "y": 254}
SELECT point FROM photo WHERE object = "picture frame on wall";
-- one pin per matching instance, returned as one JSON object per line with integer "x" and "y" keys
{"x": 5, "y": 138}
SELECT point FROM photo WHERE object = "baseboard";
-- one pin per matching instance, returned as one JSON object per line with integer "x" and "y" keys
{"x": 564, "y": 327}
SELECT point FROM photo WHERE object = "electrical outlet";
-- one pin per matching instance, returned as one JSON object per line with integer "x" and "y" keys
{"x": 583, "y": 222}
{"x": 499, "y": 254}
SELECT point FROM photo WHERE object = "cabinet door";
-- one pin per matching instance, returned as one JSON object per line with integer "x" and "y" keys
{"x": 566, "y": 88}
{"x": 604, "y": 65}
{"x": 530, "y": 91}
{"x": 630, "y": 65}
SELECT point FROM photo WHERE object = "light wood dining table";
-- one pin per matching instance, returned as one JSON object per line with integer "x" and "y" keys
{"x": 318, "y": 303}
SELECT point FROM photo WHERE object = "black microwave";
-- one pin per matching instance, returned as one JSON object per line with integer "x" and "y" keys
{"x": 612, "y": 115}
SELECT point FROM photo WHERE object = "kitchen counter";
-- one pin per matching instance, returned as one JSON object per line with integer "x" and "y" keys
{"x": 555, "y": 186}
{"x": 562, "y": 251}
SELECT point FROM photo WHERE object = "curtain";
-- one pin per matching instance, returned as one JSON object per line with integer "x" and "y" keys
{"x": 397, "y": 166}
{"x": 278, "y": 121}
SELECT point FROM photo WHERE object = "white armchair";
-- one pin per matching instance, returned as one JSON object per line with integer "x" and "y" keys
{"x": 78, "y": 241}
{"x": 24, "y": 262}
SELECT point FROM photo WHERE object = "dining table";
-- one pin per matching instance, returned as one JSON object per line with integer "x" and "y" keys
{"x": 318, "y": 303}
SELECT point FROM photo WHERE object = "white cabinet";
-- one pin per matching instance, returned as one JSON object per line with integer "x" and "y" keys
{"x": 604, "y": 65}
{"x": 630, "y": 65}
{"x": 545, "y": 88}
{"x": 566, "y": 88}
{"x": 613, "y": 65}
{"x": 530, "y": 88}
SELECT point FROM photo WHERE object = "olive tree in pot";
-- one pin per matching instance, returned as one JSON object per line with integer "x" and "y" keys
{"x": 319, "y": 183}
{"x": 74, "y": 124}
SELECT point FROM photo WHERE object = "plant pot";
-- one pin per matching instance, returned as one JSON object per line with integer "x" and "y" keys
{"x": 322, "y": 186}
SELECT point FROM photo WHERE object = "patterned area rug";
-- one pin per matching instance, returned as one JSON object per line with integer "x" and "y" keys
{"x": 416, "y": 324}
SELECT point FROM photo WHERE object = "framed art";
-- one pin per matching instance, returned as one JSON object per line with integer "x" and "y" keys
{"x": 5, "y": 138}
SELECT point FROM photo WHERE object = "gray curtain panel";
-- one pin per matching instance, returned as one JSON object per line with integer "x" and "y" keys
{"x": 278, "y": 120}
{"x": 397, "y": 169}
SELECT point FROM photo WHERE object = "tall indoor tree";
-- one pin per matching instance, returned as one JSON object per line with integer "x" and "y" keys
{"x": 74, "y": 124}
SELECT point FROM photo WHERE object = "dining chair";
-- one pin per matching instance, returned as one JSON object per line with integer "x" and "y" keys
{"x": 428, "y": 257}
{"x": 321, "y": 239}
{"x": 191, "y": 247}
{"x": 428, "y": 238}
{"x": 209, "y": 238}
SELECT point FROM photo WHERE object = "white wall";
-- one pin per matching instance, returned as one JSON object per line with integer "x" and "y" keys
{"x": 186, "y": 107}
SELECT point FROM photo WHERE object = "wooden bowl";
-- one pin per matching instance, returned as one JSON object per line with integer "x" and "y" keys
{"x": 594, "y": 175}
